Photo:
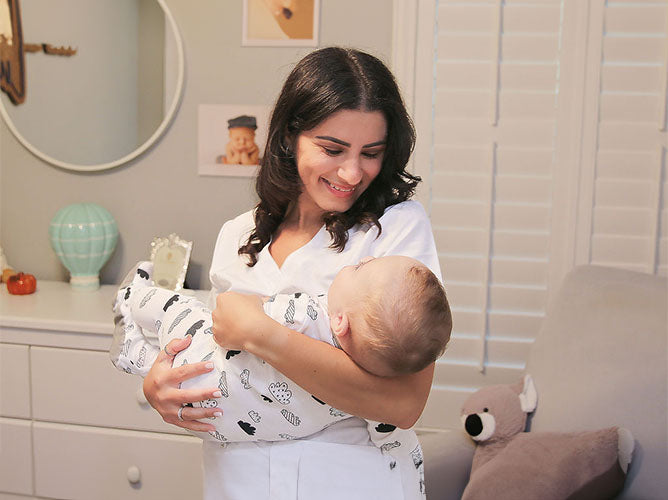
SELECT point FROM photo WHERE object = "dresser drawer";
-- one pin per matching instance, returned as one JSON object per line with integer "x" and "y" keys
{"x": 73, "y": 462}
{"x": 14, "y": 381}
{"x": 15, "y": 456}
{"x": 83, "y": 387}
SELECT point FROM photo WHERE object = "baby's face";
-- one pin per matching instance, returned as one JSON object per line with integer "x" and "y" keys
{"x": 242, "y": 138}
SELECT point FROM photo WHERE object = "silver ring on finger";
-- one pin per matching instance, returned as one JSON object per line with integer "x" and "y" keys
{"x": 179, "y": 413}
{"x": 168, "y": 353}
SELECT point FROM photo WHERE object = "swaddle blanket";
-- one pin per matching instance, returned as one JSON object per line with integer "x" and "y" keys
{"x": 258, "y": 402}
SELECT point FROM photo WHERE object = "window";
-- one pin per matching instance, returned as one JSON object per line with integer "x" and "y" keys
{"x": 542, "y": 143}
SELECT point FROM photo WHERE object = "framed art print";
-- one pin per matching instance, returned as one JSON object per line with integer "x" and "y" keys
{"x": 231, "y": 138}
{"x": 281, "y": 23}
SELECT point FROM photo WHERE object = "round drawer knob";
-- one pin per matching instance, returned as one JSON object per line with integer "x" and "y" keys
{"x": 141, "y": 399}
{"x": 134, "y": 474}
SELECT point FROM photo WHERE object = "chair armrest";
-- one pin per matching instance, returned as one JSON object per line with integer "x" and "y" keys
{"x": 447, "y": 463}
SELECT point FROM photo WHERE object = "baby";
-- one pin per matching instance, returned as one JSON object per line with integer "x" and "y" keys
{"x": 241, "y": 148}
{"x": 389, "y": 314}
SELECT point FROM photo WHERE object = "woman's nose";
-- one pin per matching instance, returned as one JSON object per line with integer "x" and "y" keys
{"x": 351, "y": 171}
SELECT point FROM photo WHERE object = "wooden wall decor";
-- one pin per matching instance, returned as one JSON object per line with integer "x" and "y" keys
{"x": 12, "y": 51}
{"x": 12, "y": 63}
{"x": 49, "y": 49}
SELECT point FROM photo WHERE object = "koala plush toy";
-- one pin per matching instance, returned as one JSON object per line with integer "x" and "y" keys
{"x": 511, "y": 464}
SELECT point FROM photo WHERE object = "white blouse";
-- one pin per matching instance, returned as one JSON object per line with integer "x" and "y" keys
{"x": 340, "y": 461}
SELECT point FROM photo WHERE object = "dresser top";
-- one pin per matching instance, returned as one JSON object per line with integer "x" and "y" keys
{"x": 56, "y": 306}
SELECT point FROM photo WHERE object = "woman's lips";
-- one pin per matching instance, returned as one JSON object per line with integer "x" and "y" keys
{"x": 338, "y": 190}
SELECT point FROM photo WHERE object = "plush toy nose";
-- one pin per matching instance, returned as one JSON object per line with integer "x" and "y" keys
{"x": 473, "y": 424}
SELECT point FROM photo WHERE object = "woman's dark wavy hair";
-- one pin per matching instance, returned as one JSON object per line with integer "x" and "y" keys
{"x": 324, "y": 82}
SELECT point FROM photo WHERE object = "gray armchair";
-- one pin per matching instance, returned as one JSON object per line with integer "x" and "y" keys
{"x": 600, "y": 360}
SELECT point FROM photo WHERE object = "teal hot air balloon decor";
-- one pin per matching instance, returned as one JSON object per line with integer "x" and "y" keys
{"x": 84, "y": 236}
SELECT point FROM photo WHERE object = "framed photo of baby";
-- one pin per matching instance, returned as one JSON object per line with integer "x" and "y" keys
{"x": 231, "y": 139}
{"x": 281, "y": 23}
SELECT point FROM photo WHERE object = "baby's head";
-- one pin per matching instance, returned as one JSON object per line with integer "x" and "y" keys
{"x": 390, "y": 314}
{"x": 242, "y": 132}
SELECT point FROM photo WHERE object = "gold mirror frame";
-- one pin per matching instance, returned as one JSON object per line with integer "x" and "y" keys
{"x": 12, "y": 76}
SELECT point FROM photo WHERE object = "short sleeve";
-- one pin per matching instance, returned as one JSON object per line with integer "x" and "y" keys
{"x": 406, "y": 230}
{"x": 226, "y": 252}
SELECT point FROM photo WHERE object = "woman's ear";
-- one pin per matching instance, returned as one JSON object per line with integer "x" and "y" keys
{"x": 340, "y": 325}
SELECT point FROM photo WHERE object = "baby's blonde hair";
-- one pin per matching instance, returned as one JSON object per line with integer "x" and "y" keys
{"x": 409, "y": 326}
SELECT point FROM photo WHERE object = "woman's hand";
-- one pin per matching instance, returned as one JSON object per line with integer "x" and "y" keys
{"x": 161, "y": 388}
{"x": 238, "y": 320}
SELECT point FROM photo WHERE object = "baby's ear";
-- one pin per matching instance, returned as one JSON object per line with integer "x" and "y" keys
{"x": 339, "y": 324}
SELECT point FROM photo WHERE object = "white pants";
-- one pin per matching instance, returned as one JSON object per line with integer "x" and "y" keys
{"x": 308, "y": 469}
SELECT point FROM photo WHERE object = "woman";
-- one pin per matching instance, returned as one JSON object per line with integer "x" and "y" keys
{"x": 333, "y": 189}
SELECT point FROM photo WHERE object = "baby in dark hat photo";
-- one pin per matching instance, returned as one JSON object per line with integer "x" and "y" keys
{"x": 241, "y": 149}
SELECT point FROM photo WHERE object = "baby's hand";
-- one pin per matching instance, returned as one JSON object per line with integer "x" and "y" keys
{"x": 232, "y": 156}
{"x": 237, "y": 320}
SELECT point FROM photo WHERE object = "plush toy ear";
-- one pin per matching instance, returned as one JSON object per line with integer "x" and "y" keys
{"x": 528, "y": 396}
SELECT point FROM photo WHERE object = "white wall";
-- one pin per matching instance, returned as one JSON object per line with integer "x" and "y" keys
{"x": 160, "y": 192}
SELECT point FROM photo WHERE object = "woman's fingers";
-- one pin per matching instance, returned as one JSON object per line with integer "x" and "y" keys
{"x": 162, "y": 389}
{"x": 182, "y": 413}
{"x": 189, "y": 396}
{"x": 180, "y": 373}
{"x": 195, "y": 425}
{"x": 190, "y": 416}
{"x": 175, "y": 408}
{"x": 197, "y": 413}
{"x": 175, "y": 346}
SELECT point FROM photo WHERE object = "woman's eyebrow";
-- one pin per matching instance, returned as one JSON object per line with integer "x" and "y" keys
{"x": 346, "y": 144}
{"x": 333, "y": 139}
{"x": 377, "y": 143}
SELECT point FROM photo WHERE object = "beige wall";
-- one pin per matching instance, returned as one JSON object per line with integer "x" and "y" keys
{"x": 160, "y": 192}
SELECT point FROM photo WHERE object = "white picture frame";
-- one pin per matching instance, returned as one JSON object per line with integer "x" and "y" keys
{"x": 276, "y": 23}
{"x": 213, "y": 135}
{"x": 170, "y": 256}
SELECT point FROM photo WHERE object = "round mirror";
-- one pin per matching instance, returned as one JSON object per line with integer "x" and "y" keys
{"x": 110, "y": 91}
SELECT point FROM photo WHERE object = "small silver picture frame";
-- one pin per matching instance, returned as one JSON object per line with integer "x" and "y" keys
{"x": 170, "y": 257}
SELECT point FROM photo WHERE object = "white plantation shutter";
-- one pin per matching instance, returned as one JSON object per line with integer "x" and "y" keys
{"x": 626, "y": 225}
{"x": 494, "y": 127}
{"x": 542, "y": 143}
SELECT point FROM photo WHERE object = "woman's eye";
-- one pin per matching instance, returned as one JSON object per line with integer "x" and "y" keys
{"x": 332, "y": 152}
{"x": 372, "y": 155}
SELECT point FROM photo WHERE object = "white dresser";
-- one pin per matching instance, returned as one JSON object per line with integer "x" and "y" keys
{"x": 71, "y": 425}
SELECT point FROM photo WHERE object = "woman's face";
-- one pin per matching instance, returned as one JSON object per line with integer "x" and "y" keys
{"x": 338, "y": 159}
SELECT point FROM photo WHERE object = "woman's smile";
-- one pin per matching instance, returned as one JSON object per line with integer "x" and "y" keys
{"x": 339, "y": 190}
